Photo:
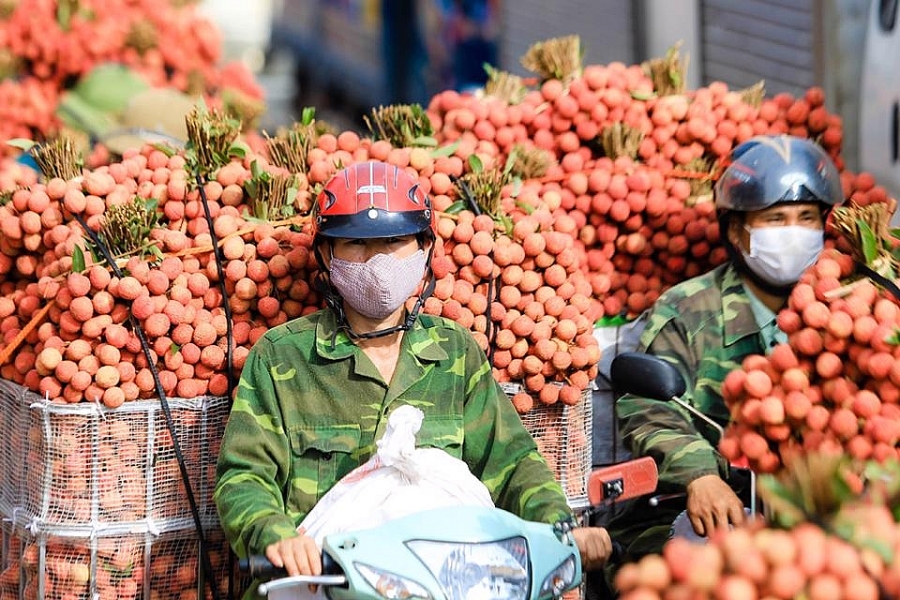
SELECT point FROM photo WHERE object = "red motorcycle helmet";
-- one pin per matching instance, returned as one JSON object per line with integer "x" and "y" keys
{"x": 372, "y": 200}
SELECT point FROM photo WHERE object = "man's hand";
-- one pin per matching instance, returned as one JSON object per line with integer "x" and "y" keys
{"x": 594, "y": 546}
{"x": 712, "y": 504}
{"x": 298, "y": 555}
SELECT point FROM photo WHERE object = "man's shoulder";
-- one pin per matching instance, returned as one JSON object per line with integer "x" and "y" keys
{"x": 291, "y": 330}
{"x": 443, "y": 330}
{"x": 437, "y": 322}
{"x": 437, "y": 337}
{"x": 704, "y": 289}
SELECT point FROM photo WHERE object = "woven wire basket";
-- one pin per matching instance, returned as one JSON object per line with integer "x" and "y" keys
{"x": 85, "y": 468}
{"x": 563, "y": 436}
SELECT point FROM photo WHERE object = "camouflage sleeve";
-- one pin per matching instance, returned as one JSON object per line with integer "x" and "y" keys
{"x": 502, "y": 453}
{"x": 252, "y": 464}
{"x": 662, "y": 429}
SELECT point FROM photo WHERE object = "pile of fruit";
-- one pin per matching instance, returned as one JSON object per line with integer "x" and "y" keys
{"x": 832, "y": 533}
{"x": 576, "y": 199}
{"x": 630, "y": 156}
{"x": 47, "y": 48}
{"x": 182, "y": 295}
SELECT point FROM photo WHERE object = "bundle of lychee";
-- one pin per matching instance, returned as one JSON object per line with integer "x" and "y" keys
{"x": 522, "y": 292}
{"x": 151, "y": 275}
{"x": 73, "y": 314}
{"x": 835, "y": 385}
{"x": 829, "y": 539}
{"x": 632, "y": 153}
{"x": 47, "y": 47}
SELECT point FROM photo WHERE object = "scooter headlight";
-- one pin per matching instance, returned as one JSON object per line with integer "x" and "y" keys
{"x": 486, "y": 571}
{"x": 559, "y": 580}
{"x": 390, "y": 585}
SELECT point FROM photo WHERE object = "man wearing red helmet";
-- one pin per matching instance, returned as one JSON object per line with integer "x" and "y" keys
{"x": 772, "y": 203}
{"x": 315, "y": 393}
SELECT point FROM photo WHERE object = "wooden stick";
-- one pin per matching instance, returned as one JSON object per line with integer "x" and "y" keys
{"x": 20, "y": 337}
{"x": 240, "y": 232}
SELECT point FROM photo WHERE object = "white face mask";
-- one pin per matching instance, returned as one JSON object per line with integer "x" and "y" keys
{"x": 379, "y": 286}
{"x": 780, "y": 255}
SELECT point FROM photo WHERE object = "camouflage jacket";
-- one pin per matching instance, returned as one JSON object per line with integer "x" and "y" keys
{"x": 310, "y": 406}
{"x": 705, "y": 326}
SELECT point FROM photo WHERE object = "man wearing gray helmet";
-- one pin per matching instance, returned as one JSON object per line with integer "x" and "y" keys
{"x": 772, "y": 202}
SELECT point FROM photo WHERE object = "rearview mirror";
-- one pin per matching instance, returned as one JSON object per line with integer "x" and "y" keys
{"x": 646, "y": 375}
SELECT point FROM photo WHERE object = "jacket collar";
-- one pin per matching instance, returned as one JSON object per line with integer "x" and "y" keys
{"x": 333, "y": 343}
{"x": 737, "y": 312}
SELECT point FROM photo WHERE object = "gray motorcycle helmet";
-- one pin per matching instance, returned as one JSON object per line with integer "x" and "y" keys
{"x": 767, "y": 170}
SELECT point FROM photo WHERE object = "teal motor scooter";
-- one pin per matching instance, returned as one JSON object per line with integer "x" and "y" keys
{"x": 457, "y": 553}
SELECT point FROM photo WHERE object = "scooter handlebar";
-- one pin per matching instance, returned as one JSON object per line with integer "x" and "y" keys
{"x": 258, "y": 566}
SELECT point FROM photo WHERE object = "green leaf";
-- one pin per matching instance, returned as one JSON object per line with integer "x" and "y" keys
{"x": 783, "y": 504}
{"x": 475, "y": 164}
{"x": 64, "y": 15}
{"x": 894, "y": 338}
{"x": 447, "y": 150}
{"x": 78, "y": 265}
{"x": 22, "y": 143}
{"x": 882, "y": 549}
{"x": 642, "y": 95}
{"x": 516, "y": 187}
{"x": 239, "y": 150}
{"x": 869, "y": 240}
{"x": 507, "y": 223}
{"x": 456, "y": 207}
{"x": 166, "y": 149}
{"x": 525, "y": 207}
{"x": 510, "y": 162}
{"x": 425, "y": 141}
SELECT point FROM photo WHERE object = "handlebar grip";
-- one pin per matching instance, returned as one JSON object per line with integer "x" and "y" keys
{"x": 260, "y": 566}
{"x": 617, "y": 554}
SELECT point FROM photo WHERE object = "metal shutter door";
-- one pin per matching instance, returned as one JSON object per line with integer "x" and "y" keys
{"x": 606, "y": 29}
{"x": 774, "y": 40}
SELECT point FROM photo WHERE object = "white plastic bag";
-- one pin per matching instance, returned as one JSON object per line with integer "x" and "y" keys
{"x": 399, "y": 480}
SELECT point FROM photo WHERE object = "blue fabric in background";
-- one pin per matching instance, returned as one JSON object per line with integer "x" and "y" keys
{"x": 28, "y": 160}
